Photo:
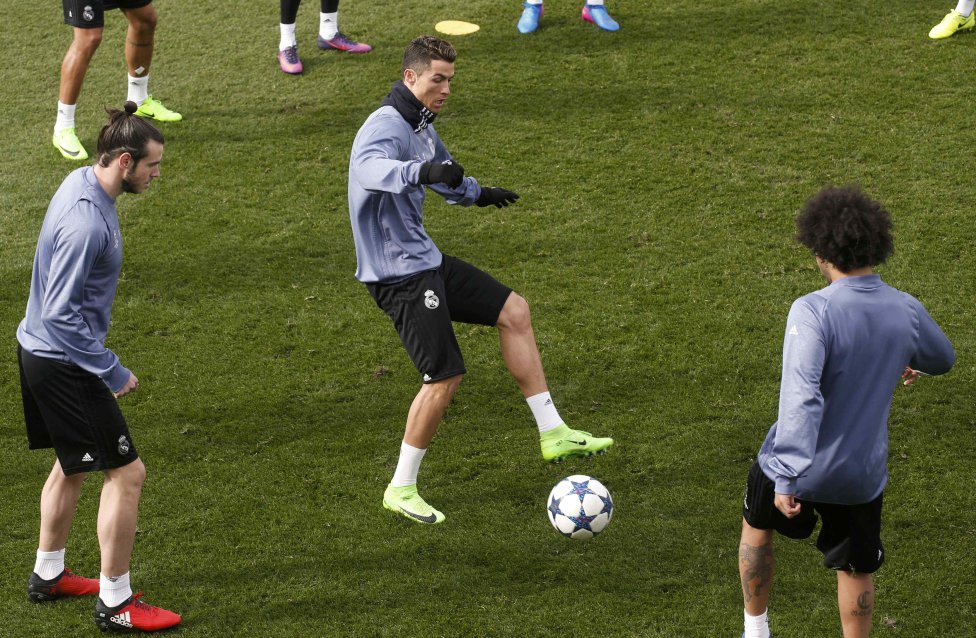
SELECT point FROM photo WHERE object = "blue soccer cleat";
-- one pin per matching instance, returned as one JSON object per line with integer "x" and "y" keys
{"x": 597, "y": 14}
{"x": 531, "y": 15}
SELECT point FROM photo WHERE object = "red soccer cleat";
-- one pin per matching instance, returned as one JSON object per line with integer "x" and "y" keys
{"x": 66, "y": 584}
{"x": 134, "y": 614}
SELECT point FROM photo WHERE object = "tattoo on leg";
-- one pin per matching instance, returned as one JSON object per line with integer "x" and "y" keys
{"x": 140, "y": 45}
{"x": 863, "y": 605}
{"x": 755, "y": 563}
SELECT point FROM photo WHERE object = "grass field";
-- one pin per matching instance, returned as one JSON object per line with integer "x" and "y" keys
{"x": 660, "y": 170}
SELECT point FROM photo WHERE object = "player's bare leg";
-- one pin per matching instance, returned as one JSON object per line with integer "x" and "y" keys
{"x": 428, "y": 409}
{"x": 518, "y": 346}
{"x": 75, "y": 64}
{"x": 425, "y": 416}
{"x": 59, "y": 501}
{"x": 140, "y": 39}
{"x": 118, "y": 514}
{"x": 521, "y": 355}
{"x": 855, "y": 601}
{"x": 756, "y": 568}
{"x": 50, "y": 580}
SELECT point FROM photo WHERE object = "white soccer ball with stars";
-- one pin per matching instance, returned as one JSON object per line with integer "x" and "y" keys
{"x": 580, "y": 507}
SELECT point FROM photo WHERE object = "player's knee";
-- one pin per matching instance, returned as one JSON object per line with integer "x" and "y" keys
{"x": 516, "y": 314}
{"x": 87, "y": 40}
{"x": 145, "y": 20}
{"x": 132, "y": 475}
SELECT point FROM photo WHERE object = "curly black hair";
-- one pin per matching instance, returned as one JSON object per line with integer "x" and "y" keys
{"x": 845, "y": 227}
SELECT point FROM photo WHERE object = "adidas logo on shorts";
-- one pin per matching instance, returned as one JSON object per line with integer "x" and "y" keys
{"x": 87, "y": 458}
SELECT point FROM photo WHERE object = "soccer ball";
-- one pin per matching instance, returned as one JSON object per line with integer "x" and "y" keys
{"x": 580, "y": 507}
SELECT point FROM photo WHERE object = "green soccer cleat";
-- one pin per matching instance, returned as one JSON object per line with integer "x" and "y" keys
{"x": 154, "y": 110}
{"x": 407, "y": 502}
{"x": 67, "y": 142}
{"x": 562, "y": 443}
{"x": 953, "y": 22}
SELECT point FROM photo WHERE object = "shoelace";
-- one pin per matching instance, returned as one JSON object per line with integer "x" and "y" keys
{"x": 291, "y": 55}
{"x": 341, "y": 39}
{"x": 143, "y": 605}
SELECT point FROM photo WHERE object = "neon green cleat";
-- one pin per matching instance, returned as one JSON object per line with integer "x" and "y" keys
{"x": 407, "y": 502}
{"x": 154, "y": 110}
{"x": 67, "y": 142}
{"x": 562, "y": 442}
{"x": 954, "y": 21}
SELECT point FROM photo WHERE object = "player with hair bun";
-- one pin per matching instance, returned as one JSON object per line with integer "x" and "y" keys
{"x": 71, "y": 382}
{"x": 846, "y": 347}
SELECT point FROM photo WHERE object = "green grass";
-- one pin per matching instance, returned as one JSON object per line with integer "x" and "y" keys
{"x": 660, "y": 170}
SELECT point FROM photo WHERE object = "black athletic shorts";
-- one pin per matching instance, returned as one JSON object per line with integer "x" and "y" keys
{"x": 850, "y": 535}
{"x": 74, "y": 412}
{"x": 423, "y": 307}
{"x": 90, "y": 14}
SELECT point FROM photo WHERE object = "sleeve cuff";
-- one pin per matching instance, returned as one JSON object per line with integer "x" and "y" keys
{"x": 785, "y": 485}
{"x": 117, "y": 378}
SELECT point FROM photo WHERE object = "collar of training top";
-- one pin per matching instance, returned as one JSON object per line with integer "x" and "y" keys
{"x": 409, "y": 107}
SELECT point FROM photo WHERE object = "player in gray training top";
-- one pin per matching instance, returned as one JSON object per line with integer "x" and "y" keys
{"x": 396, "y": 156}
{"x": 846, "y": 346}
{"x": 70, "y": 381}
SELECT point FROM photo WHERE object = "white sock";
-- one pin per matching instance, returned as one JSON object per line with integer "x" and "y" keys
{"x": 965, "y": 7}
{"x": 287, "y": 36}
{"x": 328, "y": 25}
{"x": 114, "y": 591}
{"x": 591, "y": 2}
{"x": 49, "y": 565}
{"x": 533, "y": 1}
{"x": 756, "y": 626}
{"x": 138, "y": 89}
{"x": 544, "y": 411}
{"x": 408, "y": 466}
{"x": 66, "y": 116}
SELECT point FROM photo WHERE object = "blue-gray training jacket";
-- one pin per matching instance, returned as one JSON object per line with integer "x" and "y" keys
{"x": 76, "y": 269}
{"x": 845, "y": 349}
{"x": 386, "y": 202}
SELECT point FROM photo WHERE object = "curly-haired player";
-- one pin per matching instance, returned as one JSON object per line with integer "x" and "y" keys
{"x": 846, "y": 347}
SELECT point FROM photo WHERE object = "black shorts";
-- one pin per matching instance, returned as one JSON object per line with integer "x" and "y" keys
{"x": 850, "y": 535}
{"x": 90, "y": 14}
{"x": 423, "y": 307}
{"x": 74, "y": 412}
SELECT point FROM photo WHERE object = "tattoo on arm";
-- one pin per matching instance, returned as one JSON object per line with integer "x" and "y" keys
{"x": 755, "y": 564}
{"x": 863, "y": 605}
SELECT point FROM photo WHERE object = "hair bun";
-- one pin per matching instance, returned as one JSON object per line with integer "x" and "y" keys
{"x": 130, "y": 107}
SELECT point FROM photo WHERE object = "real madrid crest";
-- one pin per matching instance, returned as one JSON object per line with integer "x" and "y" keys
{"x": 124, "y": 446}
{"x": 431, "y": 300}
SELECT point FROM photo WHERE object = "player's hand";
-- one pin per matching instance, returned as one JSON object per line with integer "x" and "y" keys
{"x": 495, "y": 196}
{"x": 131, "y": 385}
{"x": 450, "y": 173}
{"x": 787, "y": 504}
{"x": 910, "y": 376}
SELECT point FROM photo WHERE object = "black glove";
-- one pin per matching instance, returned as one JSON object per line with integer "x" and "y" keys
{"x": 497, "y": 196}
{"x": 450, "y": 173}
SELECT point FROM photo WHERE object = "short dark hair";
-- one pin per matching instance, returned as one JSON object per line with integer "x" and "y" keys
{"x": 125, "y": 132}
{"x": 423, "y": 50}
{"x": 845, "y": 227}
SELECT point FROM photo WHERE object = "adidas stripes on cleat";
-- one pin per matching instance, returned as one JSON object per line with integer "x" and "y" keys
{"x": 562, "y": 443}
{"x": 67, "y": 584}
{"x": 134, "y": 614}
